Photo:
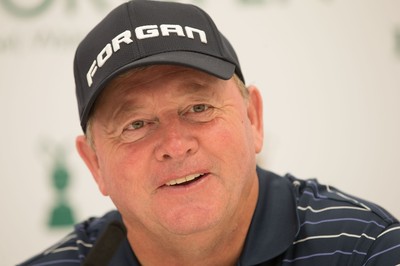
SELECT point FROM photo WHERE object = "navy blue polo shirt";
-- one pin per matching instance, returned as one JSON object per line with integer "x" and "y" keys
{"x": 296, "y": 222}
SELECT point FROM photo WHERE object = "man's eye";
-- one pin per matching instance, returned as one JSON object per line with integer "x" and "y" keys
{"x": 199, "y": 108}
{"x": 199, "y": 113}
{"x": 136, "y": 124}
{"x": 138, "y": 129}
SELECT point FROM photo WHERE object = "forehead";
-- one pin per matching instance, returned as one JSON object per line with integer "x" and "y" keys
{"x": 152, "y": 79}
{"x": 147, "y": 75}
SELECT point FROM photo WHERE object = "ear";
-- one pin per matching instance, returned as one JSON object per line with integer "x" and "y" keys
{"x": 89, "y": 156}
{"x": 255, "y": 114}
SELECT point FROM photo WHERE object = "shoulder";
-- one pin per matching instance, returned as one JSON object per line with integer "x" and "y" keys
{"x": 72, "y": 249}
{"x": 337, "y": 225}
{"x": 325, "y": 200}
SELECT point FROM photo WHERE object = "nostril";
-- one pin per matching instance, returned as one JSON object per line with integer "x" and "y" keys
{"x": 166, "y": 156}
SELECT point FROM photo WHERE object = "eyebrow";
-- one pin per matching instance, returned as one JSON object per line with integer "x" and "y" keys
{"x": 197, "y": 88}
{"x": 130, "y": 106}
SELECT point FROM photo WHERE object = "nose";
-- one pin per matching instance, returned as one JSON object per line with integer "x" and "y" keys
{"x": 176, "y": 141}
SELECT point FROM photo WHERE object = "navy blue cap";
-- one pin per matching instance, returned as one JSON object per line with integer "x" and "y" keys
{"x": 141, "y": 33}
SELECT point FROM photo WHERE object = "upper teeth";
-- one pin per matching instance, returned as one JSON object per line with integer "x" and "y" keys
{"x": 183, "y": 179}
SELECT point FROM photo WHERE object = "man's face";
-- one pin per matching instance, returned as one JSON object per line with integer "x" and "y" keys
{"x": 175, "y": 149}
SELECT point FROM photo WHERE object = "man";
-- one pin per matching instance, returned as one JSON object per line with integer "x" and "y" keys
{"x": 171, "y": 135}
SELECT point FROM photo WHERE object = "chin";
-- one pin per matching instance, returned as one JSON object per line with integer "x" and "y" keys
{"x": 191, "y": 222}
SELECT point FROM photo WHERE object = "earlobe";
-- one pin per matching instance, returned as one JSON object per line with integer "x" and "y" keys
{"x": 255, "y": 114}
{"x": 89, "y": 156}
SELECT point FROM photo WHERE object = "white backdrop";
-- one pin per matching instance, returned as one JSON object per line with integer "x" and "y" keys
{"x": 329, "y": 71}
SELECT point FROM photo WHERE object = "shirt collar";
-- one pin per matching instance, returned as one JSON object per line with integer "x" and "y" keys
{"x": 275, "y": 222}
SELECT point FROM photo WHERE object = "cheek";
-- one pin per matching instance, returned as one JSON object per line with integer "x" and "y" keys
{"x": 120, "y": 173}
{"x": 232, "y": 137}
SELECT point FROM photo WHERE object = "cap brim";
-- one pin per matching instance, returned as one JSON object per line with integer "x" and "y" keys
{"x": 209, "y": 64}
{"x": 206, "y": 63}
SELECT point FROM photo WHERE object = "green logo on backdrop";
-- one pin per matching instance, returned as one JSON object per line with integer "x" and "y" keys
{"x": 21, "y": 11}
{"x": 17, "y": 9}
{"x": 29, "y": 11}
{"x": 61, "y": 214}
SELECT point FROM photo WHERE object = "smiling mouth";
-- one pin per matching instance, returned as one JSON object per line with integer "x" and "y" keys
{"x": 185, "y": 180}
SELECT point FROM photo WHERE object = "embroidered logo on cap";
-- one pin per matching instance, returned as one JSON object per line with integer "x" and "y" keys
{"x": 142, "y": 32}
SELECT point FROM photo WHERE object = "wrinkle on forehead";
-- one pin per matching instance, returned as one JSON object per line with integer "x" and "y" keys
{"x": 141, "y": 78}
{"x": 192, "y": 80}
